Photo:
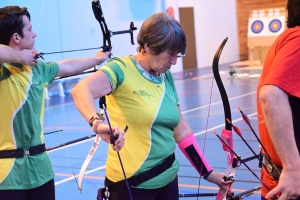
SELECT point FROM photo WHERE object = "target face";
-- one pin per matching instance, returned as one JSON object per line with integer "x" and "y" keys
{"x": 275, "y": 25}
{"x": 257, "y": 26}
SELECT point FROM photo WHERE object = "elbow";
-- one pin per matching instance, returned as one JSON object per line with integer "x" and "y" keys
{"x": 265, "y": 94}
{"x": 74, "y": 92}
{"x": 271, "y": 94}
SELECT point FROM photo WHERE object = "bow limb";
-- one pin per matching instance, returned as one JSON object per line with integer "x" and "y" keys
{"x": 227, "y": 131}
{"x": 106, "y": 47}
{"x": 97, "y": 10}
{"x": 87, "y": 161}
{"x": 100, "y": 18}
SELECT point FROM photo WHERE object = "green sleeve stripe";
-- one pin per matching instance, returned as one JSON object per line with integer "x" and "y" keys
{"x": 115, "y": 73}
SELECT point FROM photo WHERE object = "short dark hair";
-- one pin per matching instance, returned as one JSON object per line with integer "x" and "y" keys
{"x": 162, "y": 32}
{"x": 293, "y": 9}
{"x": 11, "y": 21}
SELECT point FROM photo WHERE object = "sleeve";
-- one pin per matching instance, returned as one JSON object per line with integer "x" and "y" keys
{"x": 48, "y": 71}
{"x": 285, "y": 69}
{"x": 4, "y": 73}
{"x": 114, "y": 70}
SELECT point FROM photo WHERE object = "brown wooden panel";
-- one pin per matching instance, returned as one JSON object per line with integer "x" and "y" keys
{"x": 187, "y": 22}
{"x": 261, "y": 41}
{"x": 243, "y": 8}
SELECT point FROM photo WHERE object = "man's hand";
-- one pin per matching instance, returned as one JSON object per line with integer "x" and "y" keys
{"x": 27, "y": 57}
{"x": 288, "y": 185}
{"x": 102, "y": 56}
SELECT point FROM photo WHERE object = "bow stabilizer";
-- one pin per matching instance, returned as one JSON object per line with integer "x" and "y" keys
{"x": 107, "y": 34}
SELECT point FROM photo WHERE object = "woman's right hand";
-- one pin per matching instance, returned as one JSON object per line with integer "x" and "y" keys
{"x": 104, "y": 132}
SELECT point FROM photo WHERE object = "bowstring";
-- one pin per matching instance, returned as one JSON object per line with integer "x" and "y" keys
{"x": 62, "y": 139}
{"x": 51, "y": 109}
{"x": 206, "y": 128}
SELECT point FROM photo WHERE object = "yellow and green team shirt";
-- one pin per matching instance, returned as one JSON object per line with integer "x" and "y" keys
{"x": 21, "y": 124}
{"x": 149, "y": 106}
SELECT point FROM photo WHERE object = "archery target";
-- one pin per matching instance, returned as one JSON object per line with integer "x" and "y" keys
{"x": 257, "y": 26}
{"x": 266, "y": 26}
{"x": 275, "y": 25}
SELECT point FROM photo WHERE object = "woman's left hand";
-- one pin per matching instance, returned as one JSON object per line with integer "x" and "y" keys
{"x": 216, "y": 178}
{"x": 104, "y": 132}
{"x": 119, "y": 141}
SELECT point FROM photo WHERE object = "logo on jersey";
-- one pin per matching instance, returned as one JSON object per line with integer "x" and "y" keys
{"x": 172, "y": 98}
{"x": 142, "y": 93}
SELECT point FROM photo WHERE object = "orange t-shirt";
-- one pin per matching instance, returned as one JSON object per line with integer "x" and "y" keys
{"x": 281, "y": 68}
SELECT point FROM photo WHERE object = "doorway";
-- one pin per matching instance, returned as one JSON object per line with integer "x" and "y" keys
{"x": 186, "y": 17}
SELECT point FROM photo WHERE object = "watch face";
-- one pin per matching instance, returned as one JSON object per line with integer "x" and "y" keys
{"x": 97, "y": 116}
{"x": 100, "y": 116}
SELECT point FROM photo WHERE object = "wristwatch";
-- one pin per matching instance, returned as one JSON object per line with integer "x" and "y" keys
{"x": 96, "y": 116}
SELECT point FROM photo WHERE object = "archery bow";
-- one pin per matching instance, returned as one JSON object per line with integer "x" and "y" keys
{"x": 106, "y": 47}
{"x": 107, "y": 34}
{"x": 227, "y": 131}
{"x": 229, "y": 177}
{"x": 233, "y": 160}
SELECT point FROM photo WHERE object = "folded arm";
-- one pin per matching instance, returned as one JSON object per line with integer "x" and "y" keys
{"x": 25, "y": 56}
{"x": 278, "y": 118}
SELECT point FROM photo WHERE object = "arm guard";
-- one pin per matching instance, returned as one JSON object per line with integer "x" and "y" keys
{"x": 191, "y": 150}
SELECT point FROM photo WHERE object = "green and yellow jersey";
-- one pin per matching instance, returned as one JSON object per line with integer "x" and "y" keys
{"x": 21, "y": 124}
{"x": 149, "y": 106}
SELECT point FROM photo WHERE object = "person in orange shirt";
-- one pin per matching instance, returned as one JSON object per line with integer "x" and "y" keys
{"x": 278, "y": 108}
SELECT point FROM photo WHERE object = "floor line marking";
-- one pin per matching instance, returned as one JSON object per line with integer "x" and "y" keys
{"x": 218, "y": 102}
{"x": 222, "y": 125}
{"x": 73, "y": 177}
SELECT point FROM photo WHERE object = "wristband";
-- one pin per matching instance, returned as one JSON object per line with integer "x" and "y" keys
{"x": 96, "y": 116}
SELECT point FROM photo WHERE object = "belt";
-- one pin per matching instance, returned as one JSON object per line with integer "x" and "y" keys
{"x": 271, "y": 169}
{"x": 142, "y": 177}
{"x": 20, "y": 153}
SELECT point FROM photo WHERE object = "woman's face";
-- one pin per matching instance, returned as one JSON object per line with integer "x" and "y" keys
{"x": 162, "y": 62}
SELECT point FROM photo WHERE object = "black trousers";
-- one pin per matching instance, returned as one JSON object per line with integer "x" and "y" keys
{"x": 44, "y": 192}
{"x": 169, "y": 192}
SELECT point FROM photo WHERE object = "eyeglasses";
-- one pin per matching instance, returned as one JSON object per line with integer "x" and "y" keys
{"x": 181, "y": 55}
